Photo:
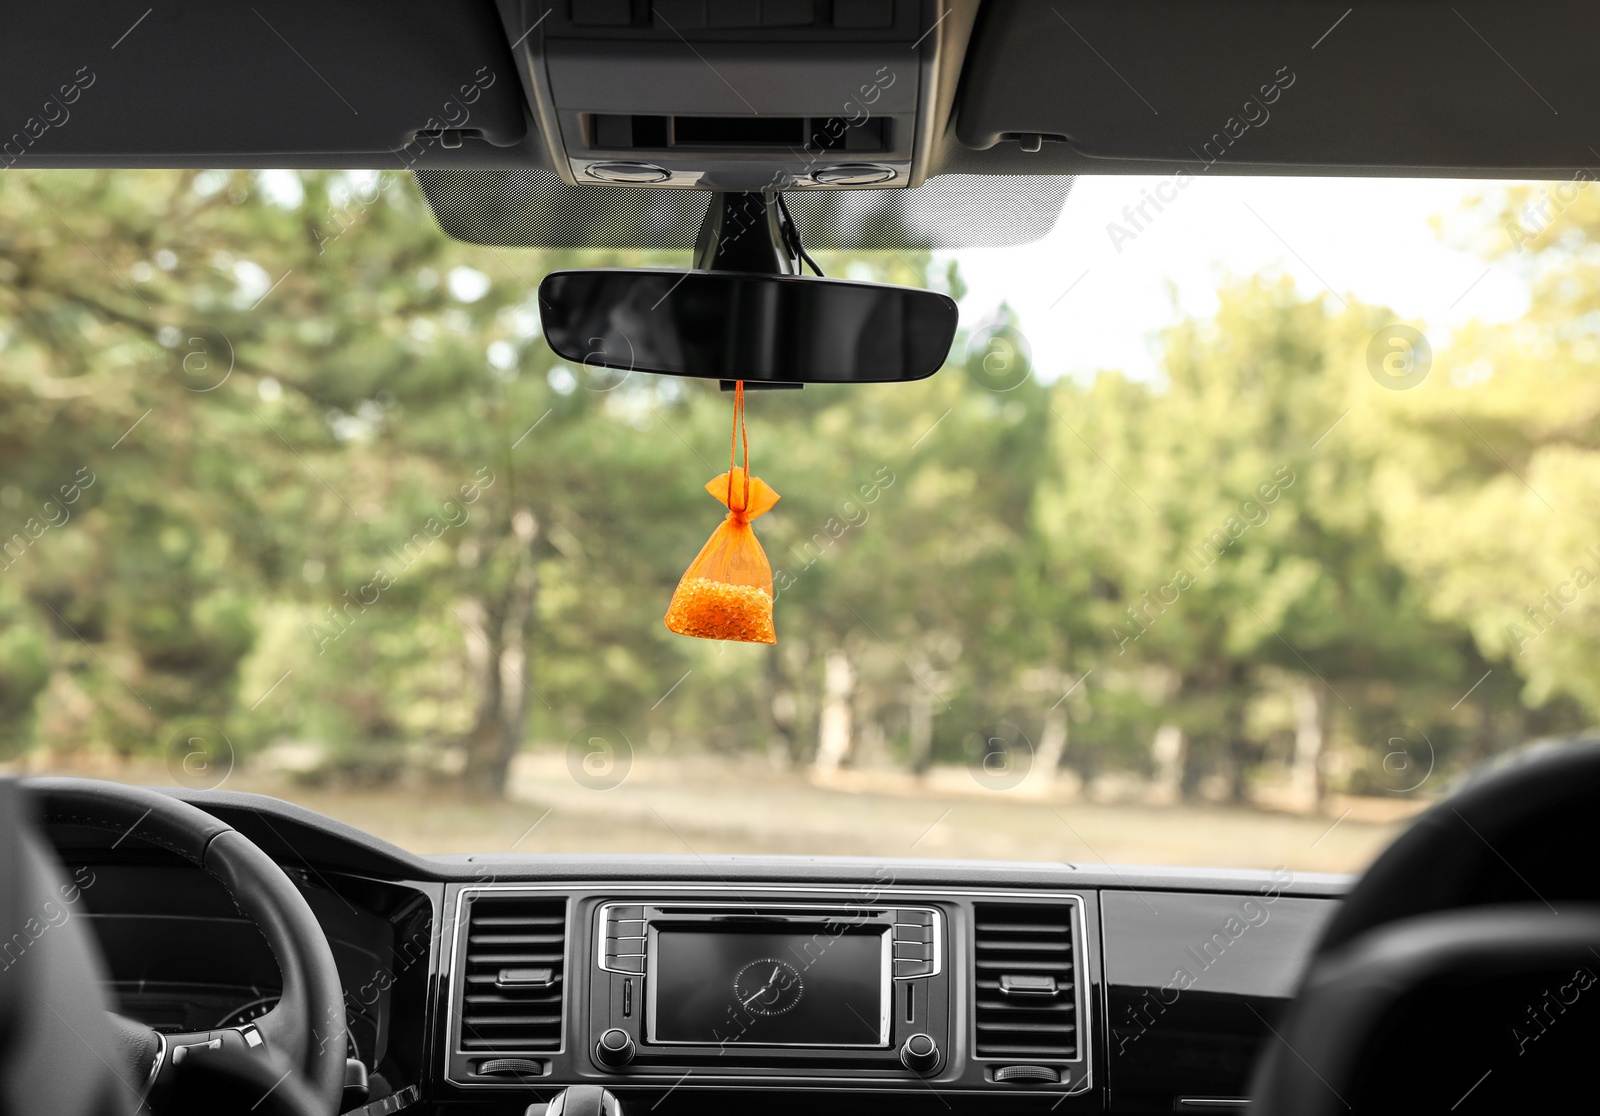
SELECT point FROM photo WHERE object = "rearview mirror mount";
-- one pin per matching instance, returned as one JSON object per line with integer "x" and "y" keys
{"x": 746, "y": 312}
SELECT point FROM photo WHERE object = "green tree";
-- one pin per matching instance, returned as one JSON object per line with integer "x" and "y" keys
{"x": 1491, "y": 486}
{"x": 1220, "y": 529}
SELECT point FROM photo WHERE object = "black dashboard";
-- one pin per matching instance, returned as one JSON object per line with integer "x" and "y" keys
{"x": 483, "y": 984}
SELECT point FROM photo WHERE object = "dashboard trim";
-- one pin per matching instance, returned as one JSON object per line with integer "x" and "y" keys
{"x": 572, "y": 888}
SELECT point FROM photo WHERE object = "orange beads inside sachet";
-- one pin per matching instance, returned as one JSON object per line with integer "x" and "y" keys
{"x": 726, "y": 593}
{"x": 717, "y": 610}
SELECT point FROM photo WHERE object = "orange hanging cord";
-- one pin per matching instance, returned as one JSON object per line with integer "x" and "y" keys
{"x": 739, "y": 432}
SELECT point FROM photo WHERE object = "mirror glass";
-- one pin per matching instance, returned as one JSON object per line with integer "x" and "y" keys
{"x": 727, "y": 325}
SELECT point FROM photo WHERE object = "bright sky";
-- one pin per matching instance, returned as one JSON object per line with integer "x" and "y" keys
{"x": 1085, "y": 305}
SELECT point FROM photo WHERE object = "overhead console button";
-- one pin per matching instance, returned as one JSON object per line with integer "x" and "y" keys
{"x": 852, "y": 174}
{"x": 633, "y": 173}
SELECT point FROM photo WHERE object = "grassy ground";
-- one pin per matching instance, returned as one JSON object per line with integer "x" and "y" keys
{"x": 705, "y": 806}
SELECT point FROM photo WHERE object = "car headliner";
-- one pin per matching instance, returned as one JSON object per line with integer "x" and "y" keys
{"x": 1413, "y": 89}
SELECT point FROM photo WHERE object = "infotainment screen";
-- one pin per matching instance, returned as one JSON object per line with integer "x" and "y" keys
{"x": 819, "y": 987}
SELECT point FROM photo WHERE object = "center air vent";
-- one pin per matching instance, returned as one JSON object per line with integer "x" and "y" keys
{"x": 1025, "y": 992}
{"x": 512, "y": 975}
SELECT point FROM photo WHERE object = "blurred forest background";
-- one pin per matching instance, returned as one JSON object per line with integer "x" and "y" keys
{"x": 290, "y": 479}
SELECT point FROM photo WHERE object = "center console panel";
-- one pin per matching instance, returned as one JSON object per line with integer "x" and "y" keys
{"x": 865, "y": 988}
{"x": 805, "y": 988}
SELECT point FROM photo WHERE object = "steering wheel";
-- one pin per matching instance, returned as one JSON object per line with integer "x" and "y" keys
{"x": 1491, "y": 888}
{"x": 1517, "y": 832}
{"x": 303, "y": 1037}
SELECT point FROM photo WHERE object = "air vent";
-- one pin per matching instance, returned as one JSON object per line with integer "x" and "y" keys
{"x": 513, "y": 974}
{"x": 1025, "y": 992}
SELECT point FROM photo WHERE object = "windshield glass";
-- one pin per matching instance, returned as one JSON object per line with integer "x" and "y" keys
{"x": 1246, "y": 515}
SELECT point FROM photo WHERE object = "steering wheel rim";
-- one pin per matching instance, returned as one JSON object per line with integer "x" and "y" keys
{"x": 306, "y": 1029}
{"x": 1495, "y": 876}
{"x": 1517, "y": 831}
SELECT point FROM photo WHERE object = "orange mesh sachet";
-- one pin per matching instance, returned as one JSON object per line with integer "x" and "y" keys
{"x": 726, "y": 593}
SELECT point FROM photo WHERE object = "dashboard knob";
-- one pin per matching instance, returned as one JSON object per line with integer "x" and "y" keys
{"x": 919, "y": 1054}
{"x": 614, "y": 1049}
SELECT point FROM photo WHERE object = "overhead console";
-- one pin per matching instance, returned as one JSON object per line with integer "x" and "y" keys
{"x": 733, "y": 94}
{"x": 867, "y": 988}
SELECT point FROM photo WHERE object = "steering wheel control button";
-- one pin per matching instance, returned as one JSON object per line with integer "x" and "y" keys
{"x": 920, "y": 1054}
{"x": 180, "y": 1054}
{"x": 357, "y": 1085}
{"x": 615, "y": 1048}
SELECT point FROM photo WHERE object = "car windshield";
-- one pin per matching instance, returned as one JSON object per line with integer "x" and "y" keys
{"x": 1246, "y": 515}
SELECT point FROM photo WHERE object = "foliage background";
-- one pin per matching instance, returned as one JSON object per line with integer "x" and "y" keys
{"x": 286, "y": 465}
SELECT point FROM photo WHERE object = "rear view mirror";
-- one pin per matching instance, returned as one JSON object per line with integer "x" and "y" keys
{"x": 728, "y": 325}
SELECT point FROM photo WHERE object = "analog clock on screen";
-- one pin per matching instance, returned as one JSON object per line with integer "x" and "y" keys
{"x": 768, "y": 987}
